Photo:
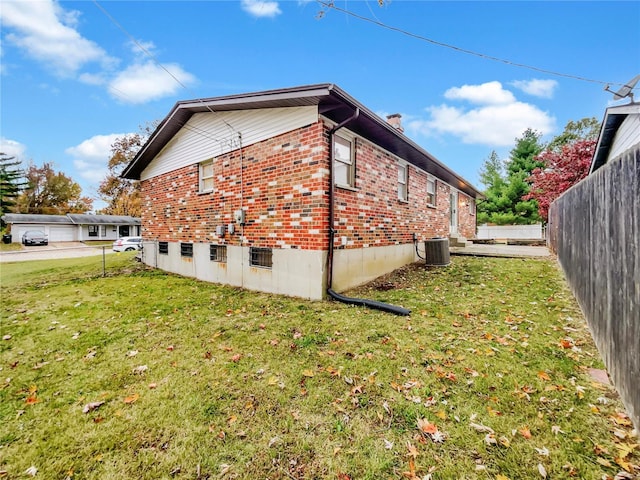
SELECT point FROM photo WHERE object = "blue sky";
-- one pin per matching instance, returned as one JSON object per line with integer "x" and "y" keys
{"x": 76, "y": 75}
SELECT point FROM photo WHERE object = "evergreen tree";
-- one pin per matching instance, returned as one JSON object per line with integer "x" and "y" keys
{"x": 492, "y": 177}
{"x": 11, "y": 182}
{"x": 504, "y": 204}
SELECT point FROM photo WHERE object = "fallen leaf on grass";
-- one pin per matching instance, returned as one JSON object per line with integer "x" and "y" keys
{"x": 603, "y": 461}
{"x": 544, "y": 375}
{"x": 621, "y": 419}
{"x": 413, "y": 451}
{"x": 31, "y": 399}
{"x": 624, "y": 464}
{"x": 542, "y": 470}
{"x": 543, "y": 451}
{"x": 131, "y": 398}
{"x": 426, "y": 427}
{"x": 504, "y": 441}
{"x": 308, "y": 373}
{"x": 625, "y": 449}
{"x": 89, "y": 407}
{"x": 140, "y": 370}
{"x": 555, "y": 429}
{"x": 31, "y": 471}
{"x": 481, "y": 428}
{"x": 490, "y": 439}
{"x": 525, "y": 432}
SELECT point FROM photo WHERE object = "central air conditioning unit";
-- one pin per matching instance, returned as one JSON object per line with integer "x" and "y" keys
{"x": 437, "y": 252}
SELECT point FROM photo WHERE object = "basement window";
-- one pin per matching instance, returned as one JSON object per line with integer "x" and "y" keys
{"x": 186, "y": 250}
{"x": 163, "y": 248}
{"x": 431, "y": 192}
{"x": 260, "y": 257}
{"x": 218, "y": 253}
{"x": 206, "y": 176}
{"x": 343, "y": 165}
{"x": 403, "y": 175}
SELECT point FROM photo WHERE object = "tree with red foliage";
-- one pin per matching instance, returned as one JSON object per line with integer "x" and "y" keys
{"x": 562, "y": 169}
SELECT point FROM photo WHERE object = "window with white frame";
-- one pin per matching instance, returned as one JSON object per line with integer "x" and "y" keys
{"x": 431, "y": 191}
{"x": 206, "y": 176}
{"x": 343, "y": 165}
{"x": 403, "y": 175}
{"x": 472, "y": 206}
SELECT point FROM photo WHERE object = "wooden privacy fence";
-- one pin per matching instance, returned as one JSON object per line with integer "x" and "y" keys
{"x": 594, "y": 228}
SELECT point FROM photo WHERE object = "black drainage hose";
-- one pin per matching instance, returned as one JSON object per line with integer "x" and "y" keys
{"x": 362, "y": 302}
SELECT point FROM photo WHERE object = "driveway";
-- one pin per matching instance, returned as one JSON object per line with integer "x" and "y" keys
{"x": 54, "y": 251}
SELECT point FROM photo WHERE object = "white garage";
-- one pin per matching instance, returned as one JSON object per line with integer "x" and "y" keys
{"x": 73, "y": 227}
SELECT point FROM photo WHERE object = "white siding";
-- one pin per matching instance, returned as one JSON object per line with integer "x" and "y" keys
{"x": 210, "y": 134}
{"x": 627, "y": 136}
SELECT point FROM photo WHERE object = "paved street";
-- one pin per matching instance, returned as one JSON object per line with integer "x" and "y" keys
{"x": 53, "y": 251}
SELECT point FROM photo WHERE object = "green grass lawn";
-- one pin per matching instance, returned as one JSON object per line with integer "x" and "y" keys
{"x": 147, "y": 375}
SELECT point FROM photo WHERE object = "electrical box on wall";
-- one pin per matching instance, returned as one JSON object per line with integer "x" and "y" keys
{"x": 238, "y": 216}
{"x": 231, "y": 228}
{"x": 220, "y": 230}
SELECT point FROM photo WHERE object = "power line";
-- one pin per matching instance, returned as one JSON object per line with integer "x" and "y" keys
{"x": 331, "y": 5}
{"x": 155, "y": 60}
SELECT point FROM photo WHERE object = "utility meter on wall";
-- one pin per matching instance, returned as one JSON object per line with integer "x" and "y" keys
{"x": 238, "y": 216}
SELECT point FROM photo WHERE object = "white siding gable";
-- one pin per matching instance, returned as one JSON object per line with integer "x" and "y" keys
{"x": 210, "y": 134}
{"x": 627, "y": 136}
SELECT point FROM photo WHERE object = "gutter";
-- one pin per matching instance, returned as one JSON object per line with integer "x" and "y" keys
{"x": 332, "y": 232}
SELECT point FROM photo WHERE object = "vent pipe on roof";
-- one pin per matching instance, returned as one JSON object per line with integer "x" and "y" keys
{"x": 395, "y": 122}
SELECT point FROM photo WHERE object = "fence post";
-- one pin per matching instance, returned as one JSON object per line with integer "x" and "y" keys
{"x": 104, "y": 262}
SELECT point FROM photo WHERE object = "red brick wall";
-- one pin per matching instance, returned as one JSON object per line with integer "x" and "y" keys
{"x": 374, "y": 216}
{"x": 466, "y": 216}
{"x": 284, "y": 191}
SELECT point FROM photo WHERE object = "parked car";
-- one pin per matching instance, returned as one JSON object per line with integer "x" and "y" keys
{"x": 126, "y": 244}
{"x": 34, "y": 237}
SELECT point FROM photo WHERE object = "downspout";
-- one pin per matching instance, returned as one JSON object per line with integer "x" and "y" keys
{"x": 332, "y": 232}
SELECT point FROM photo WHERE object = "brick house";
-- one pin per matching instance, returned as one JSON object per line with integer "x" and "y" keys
{"x": 238, "y": 190}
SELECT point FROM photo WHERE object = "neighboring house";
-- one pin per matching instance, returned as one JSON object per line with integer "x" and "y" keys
{"x": 73, "y": 227}
{"x": 594, "y": 227}
{"x": 238, "y": 190}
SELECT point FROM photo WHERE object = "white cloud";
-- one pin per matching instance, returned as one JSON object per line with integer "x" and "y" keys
{"x": 490, "y": 93}
{"x": 144, "y": 82}
{"x": 12, "y": 148}
{"x": 46, "y": 33}
{"x": 259, "y": 8}
{"x": 498, "y": 120}
{"x": 91, "y": 157}
{"x": 536, "y": 87}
